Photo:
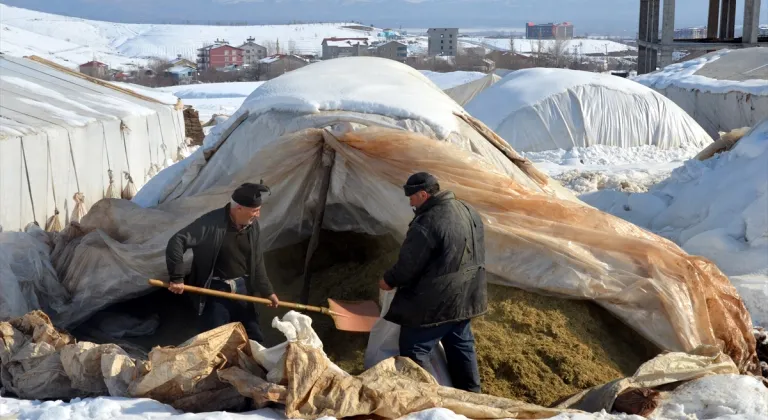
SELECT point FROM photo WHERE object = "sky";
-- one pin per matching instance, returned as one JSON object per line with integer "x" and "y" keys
{"x": 617, "y": 17}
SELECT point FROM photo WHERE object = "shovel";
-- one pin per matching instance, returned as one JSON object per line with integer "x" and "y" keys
{"x": 354, "y": 316}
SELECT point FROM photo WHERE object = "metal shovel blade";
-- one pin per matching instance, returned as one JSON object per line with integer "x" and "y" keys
{"x": 355, "y": 316}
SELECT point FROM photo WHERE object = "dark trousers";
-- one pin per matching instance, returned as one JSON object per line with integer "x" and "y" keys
{"x": 220, "y": 311}
{"x": 459, "y": 345}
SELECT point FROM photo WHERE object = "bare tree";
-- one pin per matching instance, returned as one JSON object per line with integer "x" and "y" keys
{"x": 512, "y": 47}
{"x": 292, "y": 47}
{"x": 271, "y": 47}
{"x": 557, "y": 51}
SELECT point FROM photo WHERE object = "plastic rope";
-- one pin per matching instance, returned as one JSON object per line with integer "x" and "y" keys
{"x": 162, "y": 137}
{"x": 124, "y": 127}
{"x": 50, "y": 168}
{"x": 72, "y": 155}
{"x": 29, "y": 181}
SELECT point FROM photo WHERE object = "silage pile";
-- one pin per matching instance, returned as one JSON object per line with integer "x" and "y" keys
{"x": 530, "y": 347}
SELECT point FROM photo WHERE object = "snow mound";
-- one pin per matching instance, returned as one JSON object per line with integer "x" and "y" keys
{"x": 716, "y": 208}
{"x": 717, "y": 72}
{"x": 545, "y": 109}
{"x": 717, "y": 397}
{"x": 399, "y": 91}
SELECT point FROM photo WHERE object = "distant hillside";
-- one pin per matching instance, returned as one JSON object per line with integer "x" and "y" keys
{"x": 73, "y": 41}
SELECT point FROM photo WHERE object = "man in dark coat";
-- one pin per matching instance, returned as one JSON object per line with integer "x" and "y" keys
{"x": 440, "y": 280}
{"x": 227, "y": 257}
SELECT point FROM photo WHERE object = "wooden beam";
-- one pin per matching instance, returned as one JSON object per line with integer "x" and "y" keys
{"x": 328, "y": 156}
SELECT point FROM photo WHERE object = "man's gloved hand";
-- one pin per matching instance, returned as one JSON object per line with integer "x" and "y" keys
{"x": 275, "y": 300}
{"x": 177, "y": 288}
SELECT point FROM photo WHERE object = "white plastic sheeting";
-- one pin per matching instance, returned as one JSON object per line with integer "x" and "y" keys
{"x": 722, "y": 90}
{"x": 545, "y": 109}
{"x": 384, "y": 125}
{"x": 462, "y": 94}
{"x": 60, "y": 134}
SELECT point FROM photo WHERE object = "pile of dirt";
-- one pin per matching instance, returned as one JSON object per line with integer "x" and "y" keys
{"x": 192, "y": 127}
{"x": 540, "y": 349}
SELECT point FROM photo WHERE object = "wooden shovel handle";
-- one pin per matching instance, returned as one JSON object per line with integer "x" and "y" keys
{"x": 237, "y": 296}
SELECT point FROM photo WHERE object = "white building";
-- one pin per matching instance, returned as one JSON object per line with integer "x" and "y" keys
{"x": 252, "y": 52}
{"x": 443, "y": 41}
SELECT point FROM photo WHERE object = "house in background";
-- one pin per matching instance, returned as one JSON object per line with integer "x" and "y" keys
{"x": 218, "y": 56}
{"x": 95, "y": 69}
{"x": 344, "y": 47}
{"x": 276, "y": 65}
{"x": 252, "y": 52}
{"x": 393, "y": 50}
{"x": 442, "y": 41}
{"x": 181, "y": 74}
{"x": 183, "y": 62}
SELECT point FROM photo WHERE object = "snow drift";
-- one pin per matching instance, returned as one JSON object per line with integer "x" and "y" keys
{"x": 545, "y": 109}
{"x": 722, "y": 90}
{"x": 717, "y": 208}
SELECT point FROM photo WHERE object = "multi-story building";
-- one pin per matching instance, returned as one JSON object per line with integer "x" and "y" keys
{"x": 218, "y": 56}
{"x": 344, "y": 47}
{"x": 252, "y": 52}
{"x": 442, "y": 41}
{"x": 691, "y": 33}
{"x": 393, "y": 50}
{"x": 549, "y": 30}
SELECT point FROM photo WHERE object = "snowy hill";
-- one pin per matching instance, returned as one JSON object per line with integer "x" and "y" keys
{"x": 73, "y": 41}
{"x": 527, "y": 46}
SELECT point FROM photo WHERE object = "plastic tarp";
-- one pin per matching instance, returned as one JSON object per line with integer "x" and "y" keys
{"x": 60, "y": 133}
{"x": 539, "y": 237}
{"x": 723, "y": 90}
{"x": 222, "y": 370}
{"x": 545, "y": 109}
{"x": 462, "y": 94}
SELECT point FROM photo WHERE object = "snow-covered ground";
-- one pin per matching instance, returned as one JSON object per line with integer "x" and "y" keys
{"x": 213, "y": 98}
{"x": 589, "y": 169}
{"x": 718, "y": 397}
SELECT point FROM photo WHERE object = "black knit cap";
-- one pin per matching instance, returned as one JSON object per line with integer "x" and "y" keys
{"x": 419, "y": 181}
{"x": 249, "y": 194}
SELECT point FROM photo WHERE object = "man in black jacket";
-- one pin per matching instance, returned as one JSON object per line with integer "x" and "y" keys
{"x": 227, "y": 257}
{"x": 440, "y": 280}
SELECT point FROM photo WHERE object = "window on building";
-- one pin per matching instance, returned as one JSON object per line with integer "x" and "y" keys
{"x": 450, "y": 36}
{"x": 442, "y": 35}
